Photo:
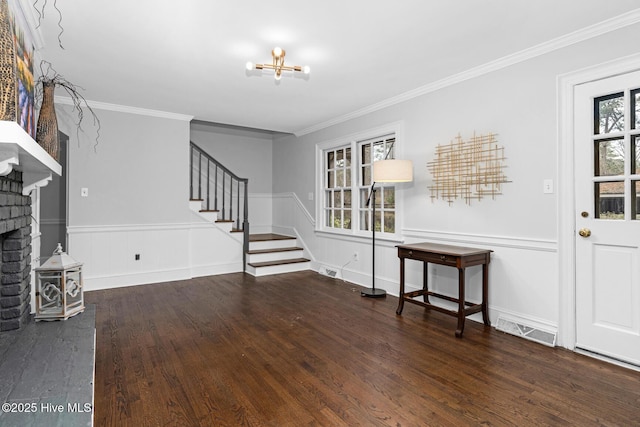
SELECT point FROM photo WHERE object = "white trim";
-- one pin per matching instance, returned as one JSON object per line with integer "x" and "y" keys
{"x": 566, "y": 84}
{"x": 613, "y": 24}
{"x": 81, "y": 229}
{"x": 481, "y": 239}
{"x": 65, "y": 100}
{"x": 95, "y": 283}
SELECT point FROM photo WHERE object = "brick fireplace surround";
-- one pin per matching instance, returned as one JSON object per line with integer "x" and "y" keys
{"x": 15, "y": 245}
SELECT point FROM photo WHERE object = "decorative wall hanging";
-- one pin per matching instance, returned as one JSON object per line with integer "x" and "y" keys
{"x": 468, "y": 170}
{"x": 7, "y": 66}
{"x": 16, "y": 70}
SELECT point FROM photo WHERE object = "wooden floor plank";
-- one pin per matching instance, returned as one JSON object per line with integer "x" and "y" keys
{"x": 302, "y": 349}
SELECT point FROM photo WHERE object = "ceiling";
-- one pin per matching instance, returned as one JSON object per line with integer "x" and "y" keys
{"x": 189, "y": 57}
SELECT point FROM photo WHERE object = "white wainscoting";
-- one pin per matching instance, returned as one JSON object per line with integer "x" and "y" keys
{"x": 523, "y": 272}
{"x": 108, "y": 253}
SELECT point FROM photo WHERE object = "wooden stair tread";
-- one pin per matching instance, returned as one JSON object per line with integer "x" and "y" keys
{"x": 209, "y": 210}
{"x": 268, "y": 251}
{"x": 264, "y": 237}
{"x": 237, "y": 230}
{"x": 281, "y": 262}
{"x": 224, "y": 220}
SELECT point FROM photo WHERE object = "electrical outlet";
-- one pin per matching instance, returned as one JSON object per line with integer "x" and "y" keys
{"x": 137, "y": 257}
{"x": 356, "y": 257}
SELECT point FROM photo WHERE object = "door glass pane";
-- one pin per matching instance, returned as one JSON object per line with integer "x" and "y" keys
{"x": 609, "y": 198}
{"x": 609, "y": 113}
{"x": 635, "y": 155}
{"x": 635, "y": 109}
{"x": 609, "y": 157}
{"x": 635, "y": 199}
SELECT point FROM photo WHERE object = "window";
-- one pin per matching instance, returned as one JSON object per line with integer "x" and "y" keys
{"x": 346, "y": 186}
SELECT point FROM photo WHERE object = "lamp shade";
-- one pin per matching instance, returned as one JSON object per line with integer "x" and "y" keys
{"x": 393, "y": 171}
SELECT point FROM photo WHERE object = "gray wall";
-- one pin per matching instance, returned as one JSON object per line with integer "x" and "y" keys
{"x": 247, "y": 153}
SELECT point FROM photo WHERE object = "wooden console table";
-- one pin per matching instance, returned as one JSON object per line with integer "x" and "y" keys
{"x": 453, "y": 256}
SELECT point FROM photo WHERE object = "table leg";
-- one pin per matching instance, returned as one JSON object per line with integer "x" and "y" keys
{"x": 485, "y": 294}
{"x": 425, "y": 282}
{"x": 401, "y": 295}
{"x": 461, "y": 298}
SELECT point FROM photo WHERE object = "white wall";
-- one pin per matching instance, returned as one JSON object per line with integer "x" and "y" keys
{"x": 519, "y": 103}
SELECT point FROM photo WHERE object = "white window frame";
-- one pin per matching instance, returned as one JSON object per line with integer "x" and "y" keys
{"x": 353, "y": 140}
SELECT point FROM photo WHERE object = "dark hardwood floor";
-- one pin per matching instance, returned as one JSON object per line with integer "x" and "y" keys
{"x": 302, "y": 349}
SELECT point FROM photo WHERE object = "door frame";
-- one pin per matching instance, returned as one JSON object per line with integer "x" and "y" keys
{"x": 566, "y": 84}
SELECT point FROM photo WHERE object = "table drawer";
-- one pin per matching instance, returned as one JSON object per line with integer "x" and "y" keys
{"x": 428, "y": 257}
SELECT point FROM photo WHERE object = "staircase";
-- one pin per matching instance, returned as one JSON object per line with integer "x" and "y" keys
{"x": 274, "y": 254}
{"x": 221, "y": 198}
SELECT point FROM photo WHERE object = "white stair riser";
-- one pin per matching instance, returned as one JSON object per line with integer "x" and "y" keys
{"x": 271, "y": 244}
{"x": 209, "y": 216}
{"x": 278, "y": 269}
{"x": 275, "y": 256}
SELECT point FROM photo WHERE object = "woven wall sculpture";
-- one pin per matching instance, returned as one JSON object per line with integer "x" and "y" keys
{"x": 468, "y": 170}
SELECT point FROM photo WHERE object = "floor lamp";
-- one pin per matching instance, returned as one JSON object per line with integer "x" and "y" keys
{"x": 383, "y": 171}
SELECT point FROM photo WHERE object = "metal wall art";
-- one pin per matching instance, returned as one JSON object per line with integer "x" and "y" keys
{"x": 468, "y": 170}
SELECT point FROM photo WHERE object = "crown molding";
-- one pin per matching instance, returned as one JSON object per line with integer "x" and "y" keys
{"x": 64, "y": 100}
{"x": 604, "y": 27}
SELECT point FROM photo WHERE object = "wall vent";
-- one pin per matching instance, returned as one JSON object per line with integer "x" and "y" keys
{"x": 328, "y": 272}
{"x": 525, "y": 331}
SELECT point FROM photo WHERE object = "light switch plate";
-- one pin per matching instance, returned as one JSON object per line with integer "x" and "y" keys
{"x": 547, "y": 186}
{"x": 84, "y": 192}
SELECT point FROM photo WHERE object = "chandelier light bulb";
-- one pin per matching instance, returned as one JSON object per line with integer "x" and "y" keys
{"x": 306, "y": 69}
{"x": 277, "y": 76}
{"x": 249, "y": 66}
{"x": 277, "y": 51}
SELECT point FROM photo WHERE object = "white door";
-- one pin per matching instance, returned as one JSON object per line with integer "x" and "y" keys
{"x": 607, "y": 192}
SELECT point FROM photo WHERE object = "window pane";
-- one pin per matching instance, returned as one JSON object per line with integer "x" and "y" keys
{"x": 339, "y": 178}
{"x": 347, "y": 178}
{"x": 327, "y": 218}
{"x": 378, "y": 150}
{"x": 337, "y": 199}
{"x": 635, "y": 109}
{"x": 366, "y": 153}
{"x": 389, "y": 197}
{"x": 366, "y": 175}
{"x": 378, "y": 221}
{"x": 337, "y": 218}
{"x": 348, "y": 157}
{"x": 609, "y": 157}
{"x": 609, "y": 113}
{"x": 330, "y": 162}
{"x": 328, "y": 198}
{"x": 347, "y": 219}
{"x": 340, "y": 159}
{"x": 347, "y": 198}
{"x": 609, "y": 198}
{"x": 390, "y": 222}
{"x": 330, "y": 179}
{"x": 364, "y": 220}
{"x": 378, "y": 198}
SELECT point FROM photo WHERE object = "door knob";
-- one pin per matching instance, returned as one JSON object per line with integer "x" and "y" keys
{"x": 584, "y": 232}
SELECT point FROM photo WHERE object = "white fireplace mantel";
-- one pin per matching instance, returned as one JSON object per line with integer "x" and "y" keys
{"x": 21, "y": 152}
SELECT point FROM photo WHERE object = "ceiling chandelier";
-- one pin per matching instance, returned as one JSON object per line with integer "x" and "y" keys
{"x": 278, "y": 64}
